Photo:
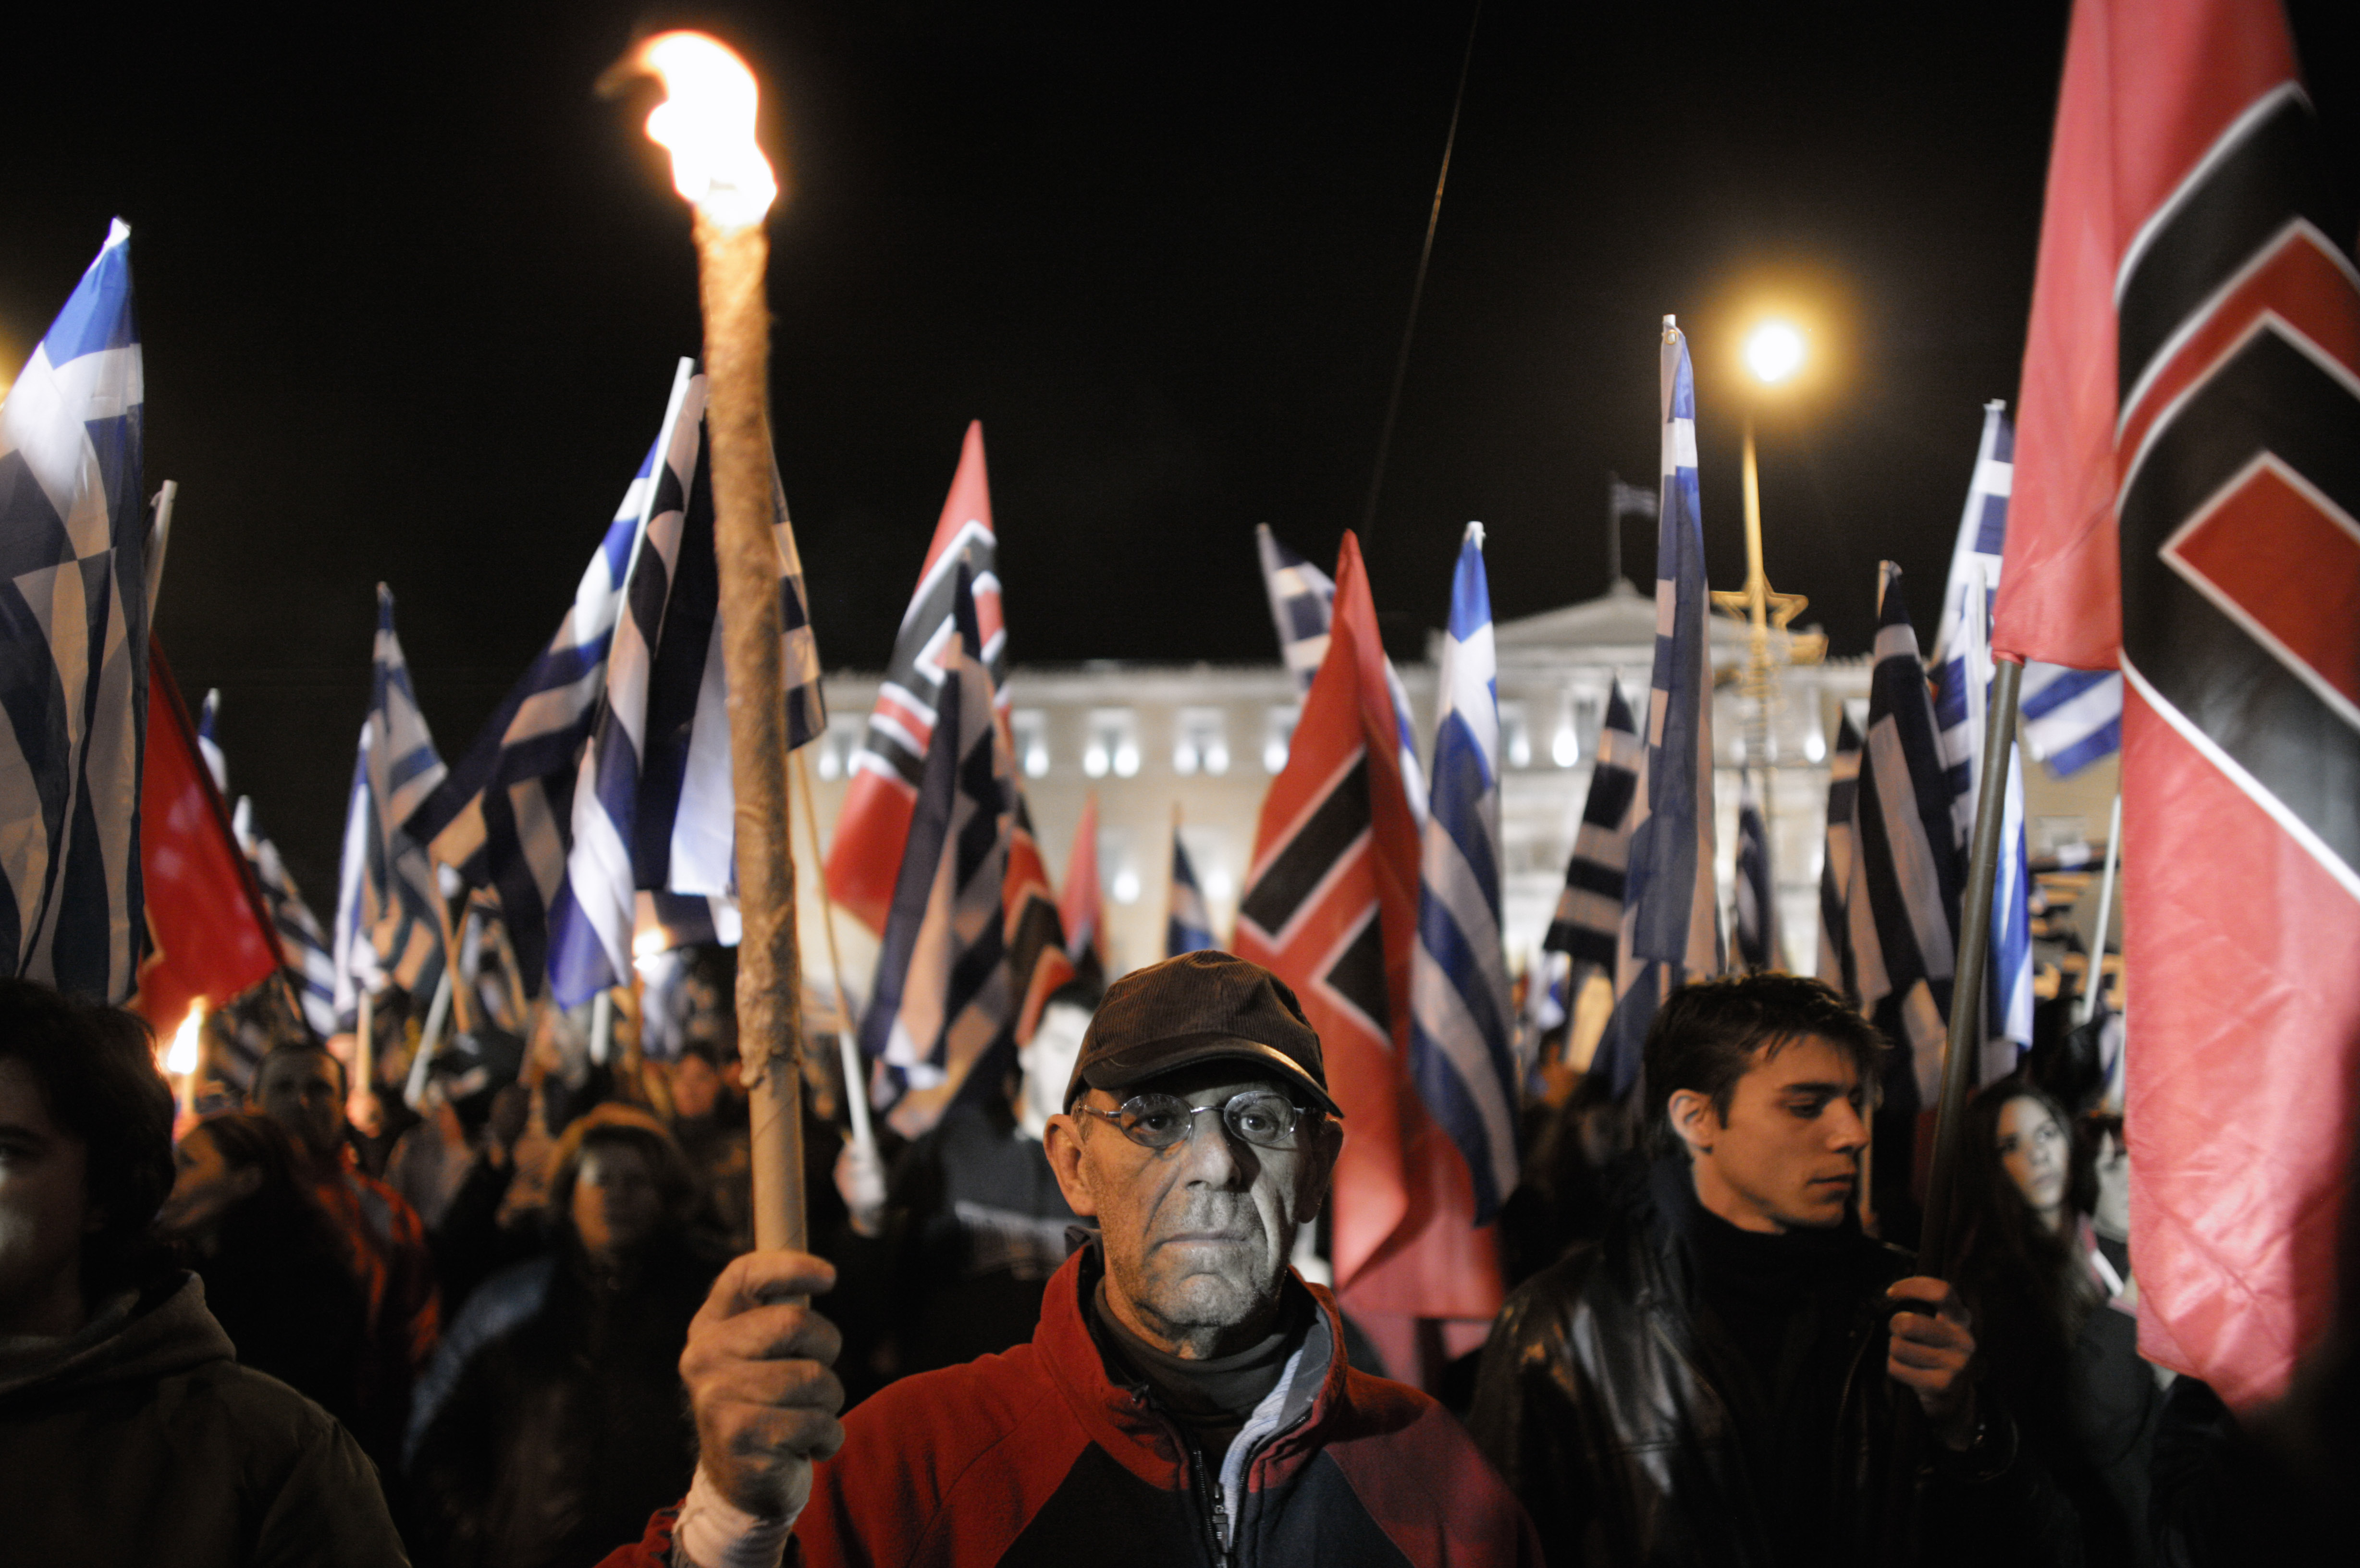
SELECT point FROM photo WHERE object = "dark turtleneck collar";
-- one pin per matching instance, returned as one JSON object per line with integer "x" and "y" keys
{"x": 1210, "y": 1398}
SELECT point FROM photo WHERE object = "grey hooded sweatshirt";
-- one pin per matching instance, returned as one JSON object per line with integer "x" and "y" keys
{"x": 140, "y": 1439}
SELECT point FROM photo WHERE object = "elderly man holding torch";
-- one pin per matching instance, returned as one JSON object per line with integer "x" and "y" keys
{"x": 1185, "y": 1386}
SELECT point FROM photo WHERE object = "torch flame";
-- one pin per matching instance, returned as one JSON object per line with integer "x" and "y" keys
{"x": 707, "y": 120}
{"x": 182, "y": 1059}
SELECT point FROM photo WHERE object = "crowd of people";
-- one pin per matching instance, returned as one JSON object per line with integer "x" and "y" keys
{"x": 503, "y": 1324}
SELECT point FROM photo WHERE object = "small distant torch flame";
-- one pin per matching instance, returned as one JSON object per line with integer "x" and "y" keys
{"x": 706, "y": 121}
{"x": 180, "y": 1060}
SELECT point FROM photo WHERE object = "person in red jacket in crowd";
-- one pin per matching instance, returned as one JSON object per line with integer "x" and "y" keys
{"x": 1185, "y": 1390}
{"x": 301, "y": 1087}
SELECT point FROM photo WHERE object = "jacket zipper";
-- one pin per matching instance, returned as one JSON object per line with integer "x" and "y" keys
{"x": 1216, "y": 1509}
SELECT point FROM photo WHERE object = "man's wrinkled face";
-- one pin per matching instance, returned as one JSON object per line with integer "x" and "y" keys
{"x": 44, "y": 1209}
{"x": 303, "y": 1091}
{"x": 1197, "y": 1236}
{"x": 1786, "y": 1156}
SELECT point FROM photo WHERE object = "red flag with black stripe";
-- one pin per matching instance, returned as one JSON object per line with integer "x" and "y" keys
{"x": 2186, "y": 489}
{"x": 210, "y": 935}
{"x": 1330, "y": 907}
{"x": 864, "y": 852}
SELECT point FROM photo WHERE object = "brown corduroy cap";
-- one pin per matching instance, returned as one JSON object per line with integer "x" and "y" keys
{"x": 1199, "y": 1007}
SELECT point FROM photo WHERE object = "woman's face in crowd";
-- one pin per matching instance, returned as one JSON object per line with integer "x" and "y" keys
{"x": 2032, "y": 1148}
{"x": 205, "y": 1187}
{"x": 616, "y": 1204}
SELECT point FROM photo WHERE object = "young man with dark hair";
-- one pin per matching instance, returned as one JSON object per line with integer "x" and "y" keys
{"x": 1714, "y": 1380}
{"x": 128, "y": 1433}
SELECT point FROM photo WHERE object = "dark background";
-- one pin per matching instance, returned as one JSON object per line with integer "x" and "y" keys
{"x": 410, "y": 297}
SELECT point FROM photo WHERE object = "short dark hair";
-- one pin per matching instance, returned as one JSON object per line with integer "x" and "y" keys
{"x": 96, "y": 1066}
{"x": 1705, "y": 1036}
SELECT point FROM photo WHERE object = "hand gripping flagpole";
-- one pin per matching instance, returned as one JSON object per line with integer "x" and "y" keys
{"x": 1965, "y": 1048}
{"x": 707, "y": 122}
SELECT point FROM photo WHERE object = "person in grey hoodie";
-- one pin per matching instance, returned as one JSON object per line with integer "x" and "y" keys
{"x": 128, "y": 1431}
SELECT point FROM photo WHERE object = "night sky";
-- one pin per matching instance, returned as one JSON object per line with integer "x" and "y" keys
{"x": 410, "y": 297}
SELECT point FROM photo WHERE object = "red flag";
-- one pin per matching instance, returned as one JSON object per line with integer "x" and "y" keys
{"x": 209, "y": 934}
{"x": 2184, "y": 504}
{"x": 1330, "y": 907}
{"x": 865, "y": 854}
{"x": 1035, "y": 932}
{"x": 1082, "y": 910}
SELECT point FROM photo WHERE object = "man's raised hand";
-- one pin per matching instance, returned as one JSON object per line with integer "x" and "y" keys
{"x": 757, "y": 1374}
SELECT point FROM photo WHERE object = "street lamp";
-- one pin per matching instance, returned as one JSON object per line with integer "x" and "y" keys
{"x": 1774, "y": 352}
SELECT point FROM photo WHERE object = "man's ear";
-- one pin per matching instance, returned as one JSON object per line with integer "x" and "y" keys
{"x": 1319, "y": 1170}
{"x": 1693, "y": 1119}
{"x": 1062, "y": 1141}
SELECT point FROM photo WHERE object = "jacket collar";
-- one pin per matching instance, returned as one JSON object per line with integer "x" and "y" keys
{"x": 1122, "y": 1420}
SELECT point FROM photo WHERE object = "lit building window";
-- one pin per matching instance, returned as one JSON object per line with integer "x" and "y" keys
{"x": 838, "y": 744}
{"x": 1565, "y": 741}
{"x": 1515, "y": 735}
{"x": 1200, "y": 740}
{"x": 1028, "y": 730}
{"x": 1113, "y": 744}
{"x": 1278, "y": 734}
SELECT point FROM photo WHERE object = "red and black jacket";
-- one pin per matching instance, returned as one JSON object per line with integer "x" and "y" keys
{"x": 1040, "y": 1456}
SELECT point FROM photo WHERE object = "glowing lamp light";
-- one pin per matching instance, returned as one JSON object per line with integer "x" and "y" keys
{"x": 180, "y": 1057}
{"x": 706, "y": 123}
{"x": 1774, "y": 351}
{"x": 1126, "y": 888}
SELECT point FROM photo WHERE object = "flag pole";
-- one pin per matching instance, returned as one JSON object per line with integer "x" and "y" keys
{"x": 731, "y": 262}
{"x": 707, "y": 122}
{"x": 856, "y": 1087}
{"x": 2093, "y": 982}
{"x": 1962, "y": 1050}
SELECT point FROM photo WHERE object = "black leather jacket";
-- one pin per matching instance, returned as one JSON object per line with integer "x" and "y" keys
{"x": 1597, "y": 1402}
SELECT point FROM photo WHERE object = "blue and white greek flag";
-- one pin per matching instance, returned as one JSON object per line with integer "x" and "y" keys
{"x": 387, "y": 933}
{"x": 1302, "y": 604}
{"x": 302, "y": 950}
{"x": 1671, "y": 910}
{"x": 395, "y": 881}
{"x": 404, "y": 766}
{"x": 592, "y": 914}
{"x": 1302, "y": 601}
{"x": 2070, "y": 717}
{"x": 73, "y": 644}
{"x": 943, "y": 1012}
{"x": 502, "y": 818}
{"x": 1589, "y": 922}
{"x": 1962, "y": 673}
{"x": 1462, "y": 1012}
{"x": 1754, "y": 902}
{"x": 652, "y": 807}
{"x": 1188, "y": 925}
{"x": 1841, "y": 936}
{"x": 1908, "y": 862}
